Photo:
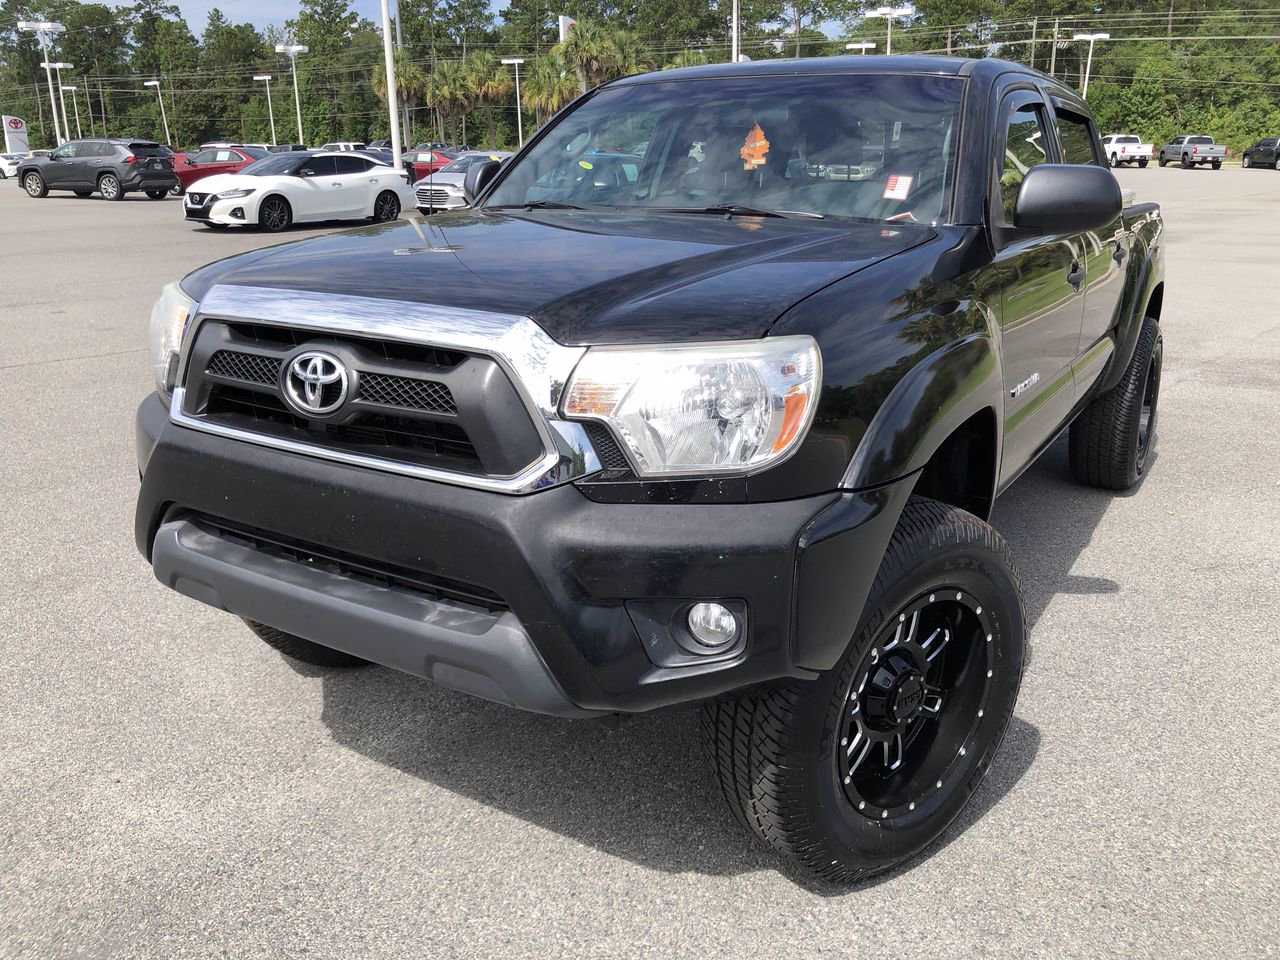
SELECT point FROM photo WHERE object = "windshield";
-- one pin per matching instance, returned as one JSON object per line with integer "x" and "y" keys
{"x": 460, "y": 165}
{"x": 276, "y": 165}
{"x": 868, "y": 147}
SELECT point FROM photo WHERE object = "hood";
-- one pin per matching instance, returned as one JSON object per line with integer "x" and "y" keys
{"x": 438, "y": 177}
{"x": 221, "y": 182}
{"x": 586, "y": 278}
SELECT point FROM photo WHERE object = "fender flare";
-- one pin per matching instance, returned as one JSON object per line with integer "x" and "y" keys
{"x": 925, "y": 407}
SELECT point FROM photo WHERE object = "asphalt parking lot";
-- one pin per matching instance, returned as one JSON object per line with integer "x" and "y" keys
{"x": 170, "y": 787}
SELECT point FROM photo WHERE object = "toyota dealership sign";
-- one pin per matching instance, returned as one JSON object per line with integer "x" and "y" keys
{"x": 15, "y": 135}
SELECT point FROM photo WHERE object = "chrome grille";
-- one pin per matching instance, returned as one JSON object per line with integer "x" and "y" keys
{"x": 406, "y": 392}
{"x": 435, "y": 196}
{"x": 247, "y": 367}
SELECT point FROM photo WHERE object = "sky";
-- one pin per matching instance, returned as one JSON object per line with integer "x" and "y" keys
{"x": 261, "y": 13}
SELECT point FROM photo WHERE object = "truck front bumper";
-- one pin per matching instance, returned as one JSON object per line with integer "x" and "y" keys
{"x": 549, "y": 602}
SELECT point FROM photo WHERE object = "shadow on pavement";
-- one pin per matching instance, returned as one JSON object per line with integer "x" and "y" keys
{"x": 641, "y": 791}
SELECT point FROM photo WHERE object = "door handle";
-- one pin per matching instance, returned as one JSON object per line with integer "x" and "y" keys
{"x": 1119, "y": 253}
{"x": 335, "y": 184}
{"x": 1076, "y": 276}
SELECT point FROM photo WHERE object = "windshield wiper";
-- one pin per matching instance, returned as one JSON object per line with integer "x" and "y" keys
{"x": 739, "y": 210}
{"x": 536, "y": 205}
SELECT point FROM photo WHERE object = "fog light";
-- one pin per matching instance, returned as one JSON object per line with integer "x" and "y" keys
{"x": 712, "y": 624}
{"x": 238, "y": 213}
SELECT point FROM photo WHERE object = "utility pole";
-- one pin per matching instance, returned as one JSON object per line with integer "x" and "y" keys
{"x": 1053, "y": 47}
{"x": 735, "y": 44}
{"x": 271, "y": 113}
{"x": 1032, "y": 63}
{"x": 393, "y": 107}
{"x": 400, "y": 47}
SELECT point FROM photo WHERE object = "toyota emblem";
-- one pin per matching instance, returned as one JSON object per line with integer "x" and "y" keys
{"x": 315, "y": 383}
{"x": 15, "y": 123}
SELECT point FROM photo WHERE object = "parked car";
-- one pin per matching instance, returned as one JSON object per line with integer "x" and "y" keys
{"x": 1262, "y": 153}
{"x": 285, "y": 147}
{"x": 343, "y": 146}
{"x": 1193, "y": 150}
{"x": 9, "y": 164}
{"x": 383, "y": 144}
{"x": 382, "y": 156}
{"x": 442, "y": 190}
{"x": 1123, "y": 148}
{"x": 112, "y": 168}
{"x": 288, "y": 188}
{"x": 728, "y": 435}
{"x": 453, "y": 148}
{"x": 420, "y": 163}
{"x": 211, "y": 161}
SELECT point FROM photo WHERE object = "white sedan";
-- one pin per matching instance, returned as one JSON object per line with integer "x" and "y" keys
{"x": 287, "y": 188}
{"x": 9, "y": 165}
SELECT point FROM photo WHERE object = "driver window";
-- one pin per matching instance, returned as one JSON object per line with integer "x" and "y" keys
{"x": 65, "y": 152}
{"x": 1024, "y": 148}
{"x": 205, "y": 156}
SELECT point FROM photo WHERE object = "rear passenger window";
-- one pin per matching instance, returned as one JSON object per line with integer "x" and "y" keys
{"x": 352, "y": 164}
{"x": 1077, "y": 136}
{"x": 1024, "y": 148}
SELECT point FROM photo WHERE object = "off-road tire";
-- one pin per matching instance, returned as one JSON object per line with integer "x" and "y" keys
{"x": 109, "y": 187}
{"x": 35, "y": 186}
{"x": 1106, "y": 448}
{"x": 304, "y": 650}
{"x": 774, "y": 748}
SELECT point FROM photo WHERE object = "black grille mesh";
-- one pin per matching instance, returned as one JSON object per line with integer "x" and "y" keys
{"x": 607, "y": 449}
{"x": 406, "y": 392}
{"x": 248, "y": 367}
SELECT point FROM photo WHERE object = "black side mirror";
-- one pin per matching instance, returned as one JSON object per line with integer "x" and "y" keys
{"x": 1067, "y": 198}
{"x": 477, "y": 178}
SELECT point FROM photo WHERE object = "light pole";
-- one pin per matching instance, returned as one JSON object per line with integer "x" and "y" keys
{"x": 44, "y": 30}
{"x": 1092, "y": 38}
{"x": 57, "y": 72}
{"x": 393, "y": 95}
{"x": 889, "y": 13}
{"x": 163, "y": 116}
{"x": 863, "y": 45}
{"x": 293, "y": 49}
{"x": 75, "y": 103}
{"x": 516, "y": 61}
{"x": 266, "y": 77}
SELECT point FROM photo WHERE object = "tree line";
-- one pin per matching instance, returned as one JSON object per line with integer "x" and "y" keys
{"x": 1170, "y": 66}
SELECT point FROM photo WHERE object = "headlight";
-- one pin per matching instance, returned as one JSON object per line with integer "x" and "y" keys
{"x": 168, "y": 322}
{"x": 233, "y": 195}
{"x": 728, "y": 408}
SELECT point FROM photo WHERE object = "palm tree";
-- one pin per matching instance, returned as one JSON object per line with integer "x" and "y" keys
{"x": 449, "y": 92}
{"x": 629, "y": 56}
{"x": 687, "y": 58}
{"x": 548, "y": 84}
{"x": 490, "y": 84}
{"x": 589, "y": 50}
{"x": 410, "y": 84}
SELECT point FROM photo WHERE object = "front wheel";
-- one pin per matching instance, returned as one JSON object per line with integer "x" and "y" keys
{"x": 304, "y": 650}
{"x": 1112, "y": 438}
{"x": 1115, "y": 161}
{"x": 1162, "y": 160}
{"x": 1246, "y": 161}
{"x": 854, "y": 772}
{"x": 109, "y": 187}
{"x": 35, "y": 186}
{"x": 275, "y": 214}
{"x": 386, "y": 207}
{"x": 1186, "y": 162}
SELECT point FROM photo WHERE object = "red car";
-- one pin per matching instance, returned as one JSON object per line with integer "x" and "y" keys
{"x": 198, "y": 164}
{"x": 420, "y": 163}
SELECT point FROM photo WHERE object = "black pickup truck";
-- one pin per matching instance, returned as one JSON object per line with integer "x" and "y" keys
{"x": 705, "y": 399}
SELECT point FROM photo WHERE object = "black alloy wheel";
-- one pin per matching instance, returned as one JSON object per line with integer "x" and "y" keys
{"x": 109, "y": 187}
{"x": 274, "y": 215}
{"x": 914, "y": 703}
{"x": 386, "y": 207}
{"x": 1150, "y": 409}
{"x": 35, "y": 186}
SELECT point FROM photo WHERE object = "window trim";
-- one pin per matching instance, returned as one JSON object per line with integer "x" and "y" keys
{"x": 1059, "y": 109}
{"x": 1015, "y": 100}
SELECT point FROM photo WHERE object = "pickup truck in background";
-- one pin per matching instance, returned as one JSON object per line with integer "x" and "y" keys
{"x": 1123, "y": 148}
{"x": 723, "y": 428}
{"x": 1193, "y": 150}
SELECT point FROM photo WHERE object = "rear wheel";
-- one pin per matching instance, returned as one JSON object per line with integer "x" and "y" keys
{"x": 157, "y": 194}
{"x": 35, "y": 186}
{"x": 1186, "y": 162}
{"x": 1115, "y": 161}
{"x": 863, "y": 767}
{"x": 304, "y": 650}
{"x": 1111, "y": 439}
{"x": 176, "y": 190}
{"x": 1246, "y": 161}
{"x": 1217, "y": 164}
{"x": 275, "y": 214}
{"x": 386, "y": 207}
{"x": 1142, "y": 164}
{"x": 109, "y": 187}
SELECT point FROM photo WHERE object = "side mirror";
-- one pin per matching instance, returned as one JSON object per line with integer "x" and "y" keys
{"x": 1067, "y": 198}
{"x": 477, "y": 178}
{"x": 306, "y": 172}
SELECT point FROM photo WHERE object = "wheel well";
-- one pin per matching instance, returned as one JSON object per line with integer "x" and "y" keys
{"x": 1156, "y": 303}
{"x": 962, "y": 471}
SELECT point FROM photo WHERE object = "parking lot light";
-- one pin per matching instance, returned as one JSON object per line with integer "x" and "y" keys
{"x": 271, "y": 114}
{"x": 163, "y": 116}
{"x": 863, "y": 45}
{"x": 44, "y": 31}
{"x": 1092, "y": 38}
{"x": 57, "y": 72}
{"x": 516, "y": 61}
{"x": 75, "y": 103}
{"x": 291, "y": 50}
{"x": 889, "y": 14}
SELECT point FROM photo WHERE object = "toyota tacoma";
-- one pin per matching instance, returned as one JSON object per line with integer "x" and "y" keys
{"x": 720, "y": 423}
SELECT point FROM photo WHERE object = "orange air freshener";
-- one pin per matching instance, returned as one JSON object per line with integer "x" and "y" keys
{"x": 754, "y": 149}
